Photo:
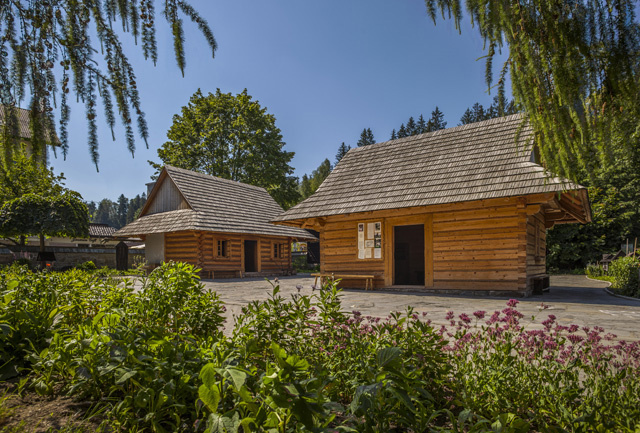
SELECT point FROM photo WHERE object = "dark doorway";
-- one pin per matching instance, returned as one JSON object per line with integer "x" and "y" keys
{"x": 250, "y": 256}
{"x": 408, "y": 255}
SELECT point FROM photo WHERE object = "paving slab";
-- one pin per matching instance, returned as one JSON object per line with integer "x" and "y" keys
{"x": 573, "y": 299}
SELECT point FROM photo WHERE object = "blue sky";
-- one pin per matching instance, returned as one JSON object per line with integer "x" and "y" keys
{"x": 326, "y": 70}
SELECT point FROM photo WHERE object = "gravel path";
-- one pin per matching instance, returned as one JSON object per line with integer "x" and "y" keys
{"x": 573, "y": 299}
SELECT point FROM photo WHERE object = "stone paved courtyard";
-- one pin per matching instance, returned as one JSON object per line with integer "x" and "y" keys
{"x": 573, "y": 299}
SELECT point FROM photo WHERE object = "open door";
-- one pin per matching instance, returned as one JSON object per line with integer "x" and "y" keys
{"x": 408, "y": 255}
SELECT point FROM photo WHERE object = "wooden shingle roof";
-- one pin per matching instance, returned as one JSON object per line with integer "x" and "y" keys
{"x": 24, "y": 122}
{"x": 214, "y": 204}
{"x": 477, "y": 161}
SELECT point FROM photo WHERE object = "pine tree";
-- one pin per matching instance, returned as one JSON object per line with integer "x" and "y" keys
{"x": 421, "y": 126}
{"x": 402, "y": 132}
{"x": 436, "y": 121}
{"x": 123, "y": 207}
{"x": 411, "y": 127}
{"x": 366, "y": 138}
{"x": 393, "y": 134}
{"x": 342, "y": 151}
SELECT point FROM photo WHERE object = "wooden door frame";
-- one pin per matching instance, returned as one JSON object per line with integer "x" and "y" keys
{"x": 390, "y": 224}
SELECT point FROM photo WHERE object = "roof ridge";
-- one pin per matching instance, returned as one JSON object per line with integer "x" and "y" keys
{"x": 209, "y": 176}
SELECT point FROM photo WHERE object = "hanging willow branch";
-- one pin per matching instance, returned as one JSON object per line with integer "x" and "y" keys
{"x": 47, "y": 43}
{"x": 574, "y": 68}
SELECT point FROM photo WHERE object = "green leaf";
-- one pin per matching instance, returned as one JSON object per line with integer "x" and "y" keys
{"x": 126, "y": 376}
{"x": 388, "y": 356}
{"x": 208, "y": 375}
{"x": 238, "y": 377}
{"x": 210, "y": 396}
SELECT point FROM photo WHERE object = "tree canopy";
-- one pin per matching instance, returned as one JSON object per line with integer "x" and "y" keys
{"x": 366, "y": 138}
{"x": 38, "y": 215}
{"x": 34, "y": 201}
{"x": 233, "y": 137}
{"x": 47, "y": 50}
{"x": 574, "y": 69}
{"x": 311, "y": 183}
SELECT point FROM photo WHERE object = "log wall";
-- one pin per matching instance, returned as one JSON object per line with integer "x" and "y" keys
{"x": 491, "y": 245}
{"x": 200, "y": 249}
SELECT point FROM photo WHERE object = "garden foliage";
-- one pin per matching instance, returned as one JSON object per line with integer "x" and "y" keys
{"x": 624, "y": 274}
{"x": 154, "y": 354}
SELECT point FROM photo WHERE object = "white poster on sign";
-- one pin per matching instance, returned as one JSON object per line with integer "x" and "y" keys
{"x": 377, "y": 253}
{"x": 370, "y": 230}
{"x": 367, "y": 253}
{"x": 361, "y": 254}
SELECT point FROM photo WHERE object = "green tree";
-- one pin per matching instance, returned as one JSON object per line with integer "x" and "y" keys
{"x": 366, "y": 138}
{"x": 342, "y": 151}
{"x": 24, "y": 174}
{"x": 436, "y": 122}
{"x": 574, "y": 69}
{"x": 123, "y": 208}
{"x": 411, "y": 127}
{"x": 233, "y": 137}
{"x": 91, "y": 209}
{"x": 39, "y": 215}
{"x": 421, "y": 126}
{"x": 310, "y": 184}
{"x": 106, "y": 213}
{"x": 34, "y": 202}
{"x": 39, "y": 35}
{"x": 402, "y": 132}
{"x": 393, "y": 134}
{"x": 498, "y": 108}
{"x": 135, "y": 206}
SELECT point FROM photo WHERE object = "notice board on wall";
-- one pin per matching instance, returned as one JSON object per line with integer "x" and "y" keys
{"x": 369, "y": 240}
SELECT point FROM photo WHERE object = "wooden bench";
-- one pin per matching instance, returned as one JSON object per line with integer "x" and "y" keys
{"x": 210, "y": 273}
{"x": 368, "y": 279}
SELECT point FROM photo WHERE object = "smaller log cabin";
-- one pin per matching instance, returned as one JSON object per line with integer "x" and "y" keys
{"x": 218, "y": 225}
{"x": 460, "y": 209}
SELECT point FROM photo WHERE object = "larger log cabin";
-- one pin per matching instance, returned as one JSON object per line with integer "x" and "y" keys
{"x": 460, "y": 209}
{"x": 219, "y": 225}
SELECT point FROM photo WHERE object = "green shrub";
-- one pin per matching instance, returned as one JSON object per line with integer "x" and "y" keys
{"x": 624, "y": 272}
{"x": 87, "y": 266}
{"x": 23, "y": 262}
{"x": 594, "y": 271}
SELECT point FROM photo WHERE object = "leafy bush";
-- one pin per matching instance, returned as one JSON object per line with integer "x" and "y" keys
{"x": 154, "y": 358}
{"x": 594, "y": 271}
{"x": 23, "y": 262}
{"x": 624, "y": 272}
{"x": 87, "y": 266}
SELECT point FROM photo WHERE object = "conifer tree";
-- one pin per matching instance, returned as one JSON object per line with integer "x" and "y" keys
{"x": 421, "y": 126}
{"x": 342, "y": 151}
{"x": 402, "y": 132}
{"x": 411, "y": 127}
{"x": 393, "y": 134}
{"x": 38, "y": 36}
{"x": 436, "y": 121}
{"x": 366, "y": 138}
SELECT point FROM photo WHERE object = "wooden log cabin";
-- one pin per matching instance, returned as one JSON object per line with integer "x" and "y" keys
{"x": 460, "y": 209}
{"x": 219, "y": 225}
